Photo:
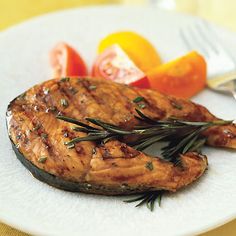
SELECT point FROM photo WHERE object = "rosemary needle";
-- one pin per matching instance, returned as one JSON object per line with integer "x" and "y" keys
{"x": 148, "y": 198}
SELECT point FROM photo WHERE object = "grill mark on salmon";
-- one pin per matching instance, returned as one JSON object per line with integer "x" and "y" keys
{"x": 86, "y": 84}
{"x": 101, "y": 106}
{"x": 196, "y": 115}
{"x": 91, "y": 105}
{"x": 46, "y": 137}
{"x": 157, "y": 113}
{"x": 128, "y": 105}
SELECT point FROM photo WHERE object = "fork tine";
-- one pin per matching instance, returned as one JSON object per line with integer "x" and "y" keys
{"x": 203, "y": 34}
{"x": 193, "y": 41}
{"x": 200, "y": 43}
{"x": 221, "y": 64}
{"x": 213, "y": 40}
{"x": 184, "y": 38}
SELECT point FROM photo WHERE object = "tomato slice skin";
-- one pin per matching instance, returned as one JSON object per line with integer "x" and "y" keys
{"x": 65, "y": 61}
{"x": 183, "y": 77}
{"x": 114, "y": 64}
{"x": 142, "y": 83}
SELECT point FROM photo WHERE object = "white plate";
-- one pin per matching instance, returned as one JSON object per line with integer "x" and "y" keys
{"x": 37, "y": 208}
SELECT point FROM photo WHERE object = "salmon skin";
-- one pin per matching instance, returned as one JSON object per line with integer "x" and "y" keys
{"x": 112, "y": 168}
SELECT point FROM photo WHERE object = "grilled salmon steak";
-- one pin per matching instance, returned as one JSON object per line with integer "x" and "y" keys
{"x": 112, "y": 168}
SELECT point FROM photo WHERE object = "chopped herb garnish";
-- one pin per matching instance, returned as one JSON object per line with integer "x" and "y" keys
{"x": 92, "y": 87}
{"x": 37, "y": 127}
{"x": 66, "y": 79}
{"x": 51, "y": 109}
{"x": 176, "y": 105}
{"x": 42, "y": 159}
{"x": 18, "y": 136}
{"x": 149, "y": 165}
{"x": 141, "y": 105}
{"x": 138, "y": 99}
{"x": 46, "y": 91}
{"x": 64, "y": 102}
{"x": 44, "y": 136}
{"x": 73, "y": 90}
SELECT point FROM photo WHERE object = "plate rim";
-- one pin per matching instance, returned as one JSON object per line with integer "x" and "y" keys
{"x": 12, "y": 221}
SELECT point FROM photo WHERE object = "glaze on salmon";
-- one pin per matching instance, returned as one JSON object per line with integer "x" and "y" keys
{"x": 114, "y": 168}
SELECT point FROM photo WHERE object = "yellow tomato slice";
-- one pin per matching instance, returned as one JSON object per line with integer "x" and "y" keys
{"x": 182, "y": 77}
{"x": 141, "y": 52}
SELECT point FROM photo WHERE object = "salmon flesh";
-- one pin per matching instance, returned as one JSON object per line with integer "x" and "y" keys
{"x": 113, "y": 168}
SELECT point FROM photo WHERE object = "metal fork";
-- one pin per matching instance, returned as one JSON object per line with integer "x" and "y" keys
{"x": 221, "y": 65}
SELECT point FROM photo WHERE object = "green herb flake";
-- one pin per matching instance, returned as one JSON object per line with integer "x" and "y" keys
{"x": 66, "y": 79}
{"x": 46, "y": 91}
{"x": 92, "y": 87}
{"x": 138, "y": 99}
{"x": 149, "y": 165}
{"x": 52, "y": 109}
{"x": 141, "y": 106}
{"x": 176, "y": 105}
{"x": 73, "y": 90}
{"x": 37, "y": 127}
{"x": 64, "y": 102}
{"x": 44, "y": 136}
{"x": 18, "y": 136}
{"x": 42, "y": 159}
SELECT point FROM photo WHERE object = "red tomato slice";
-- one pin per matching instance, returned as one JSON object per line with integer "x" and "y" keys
{"x": 114, "y": 64}
{"x": 65, "y": 61}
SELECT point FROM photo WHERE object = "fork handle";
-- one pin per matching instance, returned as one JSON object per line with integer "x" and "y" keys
{"x": 218, "y": 80}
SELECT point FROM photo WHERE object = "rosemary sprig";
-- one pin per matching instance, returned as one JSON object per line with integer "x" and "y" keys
{"x": 181, "y": 136}
{"x": 148, "y": 198}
